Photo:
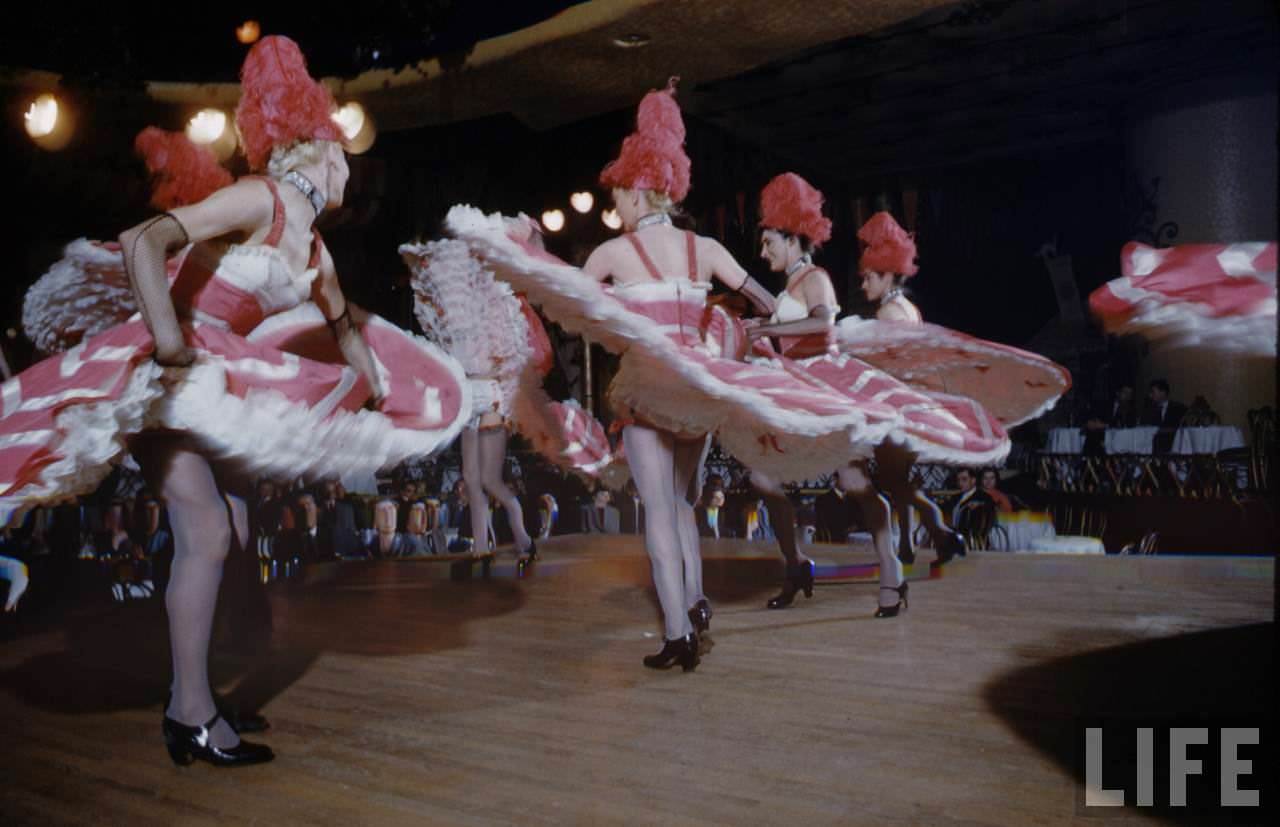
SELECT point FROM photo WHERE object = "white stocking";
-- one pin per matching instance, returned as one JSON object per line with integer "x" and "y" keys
{"x": 876, "y": 514}
{"x": 201, "y": 537}
{"x": 493, "y": 455}
{"x": 650, "y": 454}
{"x": 687, "y": 460}
{"x": 477, "y": 500}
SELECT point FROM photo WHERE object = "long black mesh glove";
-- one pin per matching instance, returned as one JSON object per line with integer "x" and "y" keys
{"x": 146, "y": 248}
{"x": 755, "y": 293}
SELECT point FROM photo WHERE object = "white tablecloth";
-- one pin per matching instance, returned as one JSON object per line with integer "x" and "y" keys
{"x": 1065, "y": 441}
{"x": 1020, "y": 529}
{"x": 1068, "y": 544}
{"x": 1209, "y": 440}
{"x": 1130, "y": 440}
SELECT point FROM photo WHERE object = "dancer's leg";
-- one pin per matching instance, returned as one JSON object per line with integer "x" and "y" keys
{"x": 782, "y": 515}
{"x": 894, "y": 463}
{"x": 687, "y": 461}
{"x": 493, "y": 455}
{"x": 649, "y": 453}
{"x": 477, "y": 500}
{"x": 201, "y": 537}
{"x": 875, "y": 513}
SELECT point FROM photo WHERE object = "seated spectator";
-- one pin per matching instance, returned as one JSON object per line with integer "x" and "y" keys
{"x": 631, "y": 508}
{"x": 339, "y": 523}
{"x": 1199, "y": 415}
{"x": 407, "y": 497}
{"x": 756, "y": 521}
{"x": 1164, "y": 413}
{"x": 1121, "y": 413}
{"x": 711, "y": 515}
{"x": 600, "y": 517}
{"x": 416, "y": 540}
{"x": 156, "y": 541}
{"x": 991, "y": 487}
{"x": 971, "y": 498}
{"x": 548, "y": 513}
{"x": 386, "y": 540}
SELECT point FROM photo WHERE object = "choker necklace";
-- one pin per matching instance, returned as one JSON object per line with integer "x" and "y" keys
{"x": 653, "y": 218}
{"x": 804, "y": 261}
{"x": 891, "y": 294}
{"x": 303, "y": 185}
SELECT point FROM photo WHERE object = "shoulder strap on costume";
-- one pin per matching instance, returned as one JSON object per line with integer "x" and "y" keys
{"x": 317, "y": 245}
{"x": 644, "y": 256}
{"x": 691, "y": 242}
{"x": 277, "y": 214}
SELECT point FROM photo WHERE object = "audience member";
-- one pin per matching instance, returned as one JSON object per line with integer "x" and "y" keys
{"x": 1121, "y": 413}
{"x": 600, "y": 517}
{"x": 339, "y": 524}
{"x": 1164, "y": 413}
{"x": 991, "y": 487}
{"x": 711, "y": 515}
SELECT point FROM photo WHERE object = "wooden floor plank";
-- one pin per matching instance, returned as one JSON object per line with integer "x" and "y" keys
{"x": 398, "y": 696}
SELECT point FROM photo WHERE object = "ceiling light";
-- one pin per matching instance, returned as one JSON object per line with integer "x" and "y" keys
{"x": 553, "y": 220}
{"x": 582, "y": 201}
{"x": 248, "y": 32}
{"x": 356, "y": 125}
{"x": 634, "y": 40}
{"x": 212, "y": 128}
{"x": 48, "y": 122}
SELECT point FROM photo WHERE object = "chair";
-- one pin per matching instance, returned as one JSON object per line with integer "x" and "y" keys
{"x": 1262, "y": 438}
{"x": 1145, "y": 545}
{"x": 976, "y": 520}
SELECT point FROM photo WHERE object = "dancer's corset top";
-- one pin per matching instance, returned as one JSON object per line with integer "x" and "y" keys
{"x": 677, "y": 307}
{"x": 789, "y": 309}
{"x": 237, "y": 286}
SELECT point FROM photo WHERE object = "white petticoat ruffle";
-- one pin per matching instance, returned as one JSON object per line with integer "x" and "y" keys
{"x": 95, "y": 436}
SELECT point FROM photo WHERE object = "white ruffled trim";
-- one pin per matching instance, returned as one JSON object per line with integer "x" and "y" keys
{"x": 266, "y": 433}
{"x": 470, "y": 314}
{"x": 84, "y": 293}
{"x": 862, "y": 338}
{"x": 1188, "y": 325}
{"x": 91, "y": 437}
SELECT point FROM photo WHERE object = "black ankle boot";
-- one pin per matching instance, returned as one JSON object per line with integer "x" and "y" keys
{"x": 683, "y": 651}
{"x": 799, "y": 578}
{"x": 187, "y": 743}
{"x": 700, "y": 616}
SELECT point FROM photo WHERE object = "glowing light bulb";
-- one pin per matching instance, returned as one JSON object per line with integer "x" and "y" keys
{"x": 206, "y": 126}
{"x": 582, "y": 201}
{"x": 611, "y": 219}
{"x": 41, "y": 117}
{"x": 350, "y": 119}
{"x": 553, "y": 220}
{"x": 248, "y": 32}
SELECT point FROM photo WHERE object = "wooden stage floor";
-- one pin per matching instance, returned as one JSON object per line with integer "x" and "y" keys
{"x": 398, "y": 696}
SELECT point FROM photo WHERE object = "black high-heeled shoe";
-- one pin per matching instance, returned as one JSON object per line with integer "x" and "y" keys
{"x": 241, "y": 722}
{"x": 187, "y": 743}
{"x": 523, "y": 563}
{"x": 799, "y": 578}
{"x": 700, "y": 616}
{"x": 683, "y": 651}
{"x": 952, "y": 546}
{"x": 892, "y": 611}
